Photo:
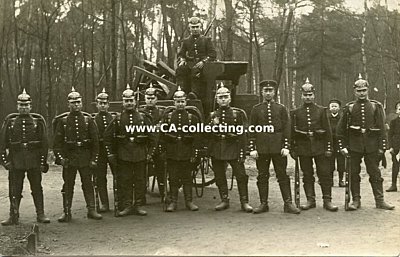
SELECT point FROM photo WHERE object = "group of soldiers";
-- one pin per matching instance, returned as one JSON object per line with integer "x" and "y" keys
{"x": 88, "y": 143}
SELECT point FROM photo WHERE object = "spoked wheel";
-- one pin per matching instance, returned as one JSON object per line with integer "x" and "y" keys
{"x": 199, "y": 176}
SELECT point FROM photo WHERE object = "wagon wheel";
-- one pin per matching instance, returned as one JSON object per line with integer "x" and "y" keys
{"x": 199, "y": 176}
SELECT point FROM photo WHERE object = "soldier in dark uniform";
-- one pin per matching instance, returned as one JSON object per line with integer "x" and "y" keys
{"x": 312, "y": 140}
{"x": 361, "y": 133}
{"x": 102, "y": 119}
{"x": 394, "y": 147}
{"x": 76, "y": 147}
{"x": 129, "y": 149}
{"x": 271, "y": 145}
{"x": 181, "y": 151}
{"x": 156, "y": 112}
{"x": 228, "y": 147}
{"x": 193, "y": 53}
{"x": 337, "y": 159}
{"x": 24, "y": 135}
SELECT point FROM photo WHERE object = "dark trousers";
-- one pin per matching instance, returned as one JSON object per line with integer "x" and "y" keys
{"x": 180, "y": 173}
{"x": 337, "y": 162}
{"x": 263, "y": 162}
{"x": 157, "y": 169}
{"x": 191, "y": 78}
{"x": 69, "y": 176}
{"x": 219, "y": 167}
{"x": 372, "y": 164}
{"x": 395, "y": 163}
{"x": 101, "y": 179}
{"x": 322, "y": 168}
{"x": 129, "y": 174}
{"x": 16, "y": 183}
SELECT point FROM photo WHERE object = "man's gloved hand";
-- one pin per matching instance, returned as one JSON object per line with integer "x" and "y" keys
{"x": 284, "y": 152}
{"x": 242, "y": 159}
{"x": 7, "y": 166}
{"x": 181, "y": 62}
{"x": 64, "y": 162}
{"x": 199, "y": 65}
{"x": 194, "y": 159}
{"x": 293, "y": 154}
{"x": 254, "y": 154}
{"x": 391, "y": 150}
{"x": 149, "y": 157}
{"x": 112, "y": 159}
{"x": 344, "y": 152}
{"x": 328, "y": 153}
{"x": 44, "y": 168}
{"x": 92, "y": 164}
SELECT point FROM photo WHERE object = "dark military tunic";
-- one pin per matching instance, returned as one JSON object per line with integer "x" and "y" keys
{"x": 131, "y": 148}
{"x": 311, "y": 138}
{"x": 228, "y": 147}
{"x": 25, "y": 137}
{"x": 362, "y": 131}
{"x": 394, "y": 142}
{"x": 270, "y": 144}
{"x": 179, "y": 146}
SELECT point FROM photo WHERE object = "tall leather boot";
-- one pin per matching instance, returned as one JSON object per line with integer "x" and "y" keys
{"x": 67, "y": 204}
{"x": 187, "y": 192}
{"x": 173, "y": 205}
{"x": 13, "y": 218}
{"x": 393, "y": 187}
{"x": 377, "y": 189}
{"x": 39, "y": 205}
{"x": 355, "y": 192}
{"x": 309, "y": 190}
{"x": 88, "y": 193}
{"x": 244, "y": 197}
{"x": 288, "y": 206}
{"x": 224, "y": 204}
{"x": 327, "y": 197}
{"x": 263, "y": 192}
{"x": 105, "y": 205}
{"x": 161, "y": 188}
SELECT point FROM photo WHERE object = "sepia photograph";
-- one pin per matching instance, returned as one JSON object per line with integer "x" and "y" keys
{"x": 199, "y": 127}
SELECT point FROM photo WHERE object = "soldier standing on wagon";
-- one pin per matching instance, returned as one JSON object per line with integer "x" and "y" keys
{"x": 312, "y": 140}
{"x": 227, "y": 147}
{"x": 181, "y": 151}
{"x": 271, "y": 145}
{"x": 195, "y": 51}
{"x": 25, "y": 136}
{"x": 337, "y": 160}
{"x": 362, "y": 134}
{"x": 129, "y": 149}
{"x": 102, "y": 119}
{"x": 76, "y": 147}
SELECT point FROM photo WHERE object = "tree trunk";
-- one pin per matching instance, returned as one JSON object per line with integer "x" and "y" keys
{"x": 113, "y": 51}
{"x": 228, "y": 56}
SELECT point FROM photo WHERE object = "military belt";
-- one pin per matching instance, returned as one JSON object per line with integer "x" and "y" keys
{"x": 363, "y": 130}
{"x": 83, "y": 143}
{"x": 25, "y": 145}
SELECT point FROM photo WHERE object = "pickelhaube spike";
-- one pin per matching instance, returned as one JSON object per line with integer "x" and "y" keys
{"x": 103, "y": 96}
{"x": 128, "y": 93}
{"x": 179, "y": 94}
{"x": 359, "y": 76}
{"x": 150, "y": 90}
{"x": 307, "y": 87}
{"x": 360, "y": 83}
{"x": 222, "y": 90}
{"x": 74, "y": 96}
{"x": 24, "y": 97}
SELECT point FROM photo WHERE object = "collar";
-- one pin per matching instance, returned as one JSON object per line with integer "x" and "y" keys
{"x": 334, "y": 114}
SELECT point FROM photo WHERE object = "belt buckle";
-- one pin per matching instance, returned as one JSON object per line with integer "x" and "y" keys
{"x": 310, "y": 134}
{"x": 131, "y": 139}
{"x": 24, "y": 145}
{"x": 363, "y": 130}
{"x": 79, "y": 143}
{"x": 223, "y": 136}
{"x": 179, "y": 138}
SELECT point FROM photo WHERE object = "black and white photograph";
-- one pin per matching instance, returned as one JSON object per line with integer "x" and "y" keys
{"x": 199, "y": 127}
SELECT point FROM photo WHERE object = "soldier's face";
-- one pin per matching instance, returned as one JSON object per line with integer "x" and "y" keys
{"x": 195, "y": 30}
{"x": 361, "y": 93}
{"x": 180, "y": 104}
{"x": 24, "y": 108}
{"x": 398, "y": 108}
{"x": 307, "y": 97}
{"x": 129, "y": 104}
{"x": 75, "y": 106}
{"x": 150, "y": 100}
{"x": 102, "y": 106}
{"x": 334, "y": 107}
{"x": 268, "y": 93}
{"x": 223, "y": 100}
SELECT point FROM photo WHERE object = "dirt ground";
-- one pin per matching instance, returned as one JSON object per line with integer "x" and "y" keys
{"x": 368, "y": 231}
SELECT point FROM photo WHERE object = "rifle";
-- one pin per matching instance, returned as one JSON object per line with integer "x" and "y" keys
{"x": 13, "y": 202}
{"x": 297, "y": 183}
{"x": 115, "y": 190}
{"x": 96, "y": 191}
{"x": 66, "y": 194}
{"x": 347, "y": 191}
{"x": 165, "y": 200}
{"x": 296, "y": 173}
{"x": 209, "y": 26}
